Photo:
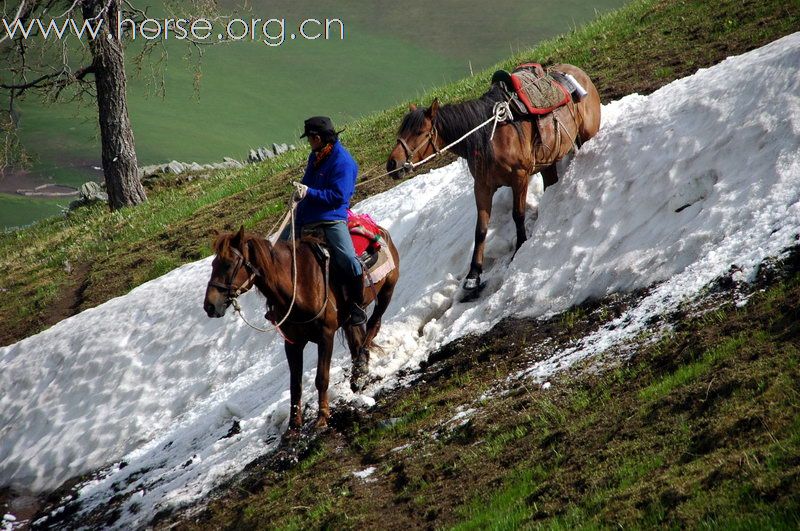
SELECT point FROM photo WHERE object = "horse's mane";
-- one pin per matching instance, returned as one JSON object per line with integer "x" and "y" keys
{"x": 456, "y": 119}
{"x": 222, "y": 244}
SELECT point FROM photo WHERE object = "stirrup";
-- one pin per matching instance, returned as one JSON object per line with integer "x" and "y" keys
{"x": 357, "y": 315}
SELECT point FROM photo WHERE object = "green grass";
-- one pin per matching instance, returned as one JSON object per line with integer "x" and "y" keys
{"x": 707, "y": 361}
{"x": 17, "y": 210}
{"x": 505, "y": 509}
{"x": 697, "y": 461}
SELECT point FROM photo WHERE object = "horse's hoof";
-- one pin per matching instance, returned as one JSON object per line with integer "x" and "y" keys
{"x": 357, "y": 383}
{"x": 358, "y": 380}
{"x": 472, "y": 289}
{"x": 291, "y": 435}
{"x": 322, "y": 423}
{"x": 472, "y": 283}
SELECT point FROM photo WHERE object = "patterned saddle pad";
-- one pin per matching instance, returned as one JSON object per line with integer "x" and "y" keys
{"x": 535, "y": 90}
{"x": 378, "y": 268}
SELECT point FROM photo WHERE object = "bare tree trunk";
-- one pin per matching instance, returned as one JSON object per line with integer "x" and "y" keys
{"x": 120, "y": 166}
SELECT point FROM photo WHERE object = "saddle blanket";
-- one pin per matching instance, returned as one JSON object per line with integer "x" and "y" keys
{"x": 376, "y": 258}
{"x": 366, "y": 234}
{"x": 381, "y": 267}
{"x": 535, "y": 90}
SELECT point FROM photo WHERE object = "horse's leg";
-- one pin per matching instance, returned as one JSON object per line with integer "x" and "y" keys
{"x": 550, "y": 175}
{"x": 519, "y": 188}
{"x": 359, "y": 357}
{"x": 324, "y": 353}
{"x": 294, "y": 355}
{"x": 483, "y": 201}
{"x": 382, "y": 300}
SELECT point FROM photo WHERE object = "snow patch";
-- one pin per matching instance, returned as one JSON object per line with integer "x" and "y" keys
{"x": 364, "y": 474}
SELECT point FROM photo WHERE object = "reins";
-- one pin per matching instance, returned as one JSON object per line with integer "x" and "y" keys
{"x": 232, "y": 295}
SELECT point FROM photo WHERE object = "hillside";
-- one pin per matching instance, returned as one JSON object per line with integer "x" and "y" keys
{"x": 697, "y": 428}
{"x": 634, "y": 363}
{"x": 173, "y": 403}
{"x": 58, "y": 268}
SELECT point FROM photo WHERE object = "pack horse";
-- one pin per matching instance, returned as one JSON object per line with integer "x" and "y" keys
{"x": 540, "y": 115}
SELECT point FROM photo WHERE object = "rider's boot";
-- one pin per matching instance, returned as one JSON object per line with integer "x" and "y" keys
{"x": 355, "y": 293}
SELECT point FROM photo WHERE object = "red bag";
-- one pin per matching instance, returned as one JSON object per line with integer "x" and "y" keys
{"x": 364, "y": 232}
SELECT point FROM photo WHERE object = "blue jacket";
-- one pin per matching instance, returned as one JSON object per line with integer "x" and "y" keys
{"x": 330, "y": 187}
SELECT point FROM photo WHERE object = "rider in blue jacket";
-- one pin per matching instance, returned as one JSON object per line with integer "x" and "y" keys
{"x": 324, "y": 194}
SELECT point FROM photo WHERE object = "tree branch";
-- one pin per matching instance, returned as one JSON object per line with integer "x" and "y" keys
{"x": 16, "y": 18}
{"x": 58, "y": 79}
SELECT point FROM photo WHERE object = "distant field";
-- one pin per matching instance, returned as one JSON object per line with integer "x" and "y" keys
{"x": 253, "y": 95}
{"x": 16, "y": 210}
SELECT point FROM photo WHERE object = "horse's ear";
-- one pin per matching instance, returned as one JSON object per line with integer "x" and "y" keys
{"x": 412, "y": 107}
{"x": 239, "y": 238}
{"x": 433, "y": 109}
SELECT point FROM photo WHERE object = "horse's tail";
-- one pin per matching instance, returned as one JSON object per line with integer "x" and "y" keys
{"x": 383, "y": 295}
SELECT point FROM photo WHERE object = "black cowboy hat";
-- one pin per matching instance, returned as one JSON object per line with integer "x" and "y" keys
{"x": 318, "y": 125}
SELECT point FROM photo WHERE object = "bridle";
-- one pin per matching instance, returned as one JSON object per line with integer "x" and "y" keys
{"x": 432, "y": 136}
{"x": 230, "y": 292}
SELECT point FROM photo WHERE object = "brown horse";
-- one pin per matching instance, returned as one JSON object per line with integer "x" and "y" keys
{"x": 514, "y": 154}
{"x": 244, "y": 260}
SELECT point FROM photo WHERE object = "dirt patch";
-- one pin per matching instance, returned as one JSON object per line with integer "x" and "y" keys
{"x": 72, "y": 299}
{"x": 68, "y": 302}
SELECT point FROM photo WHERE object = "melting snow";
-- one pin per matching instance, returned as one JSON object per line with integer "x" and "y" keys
{"x": 364, "y": 474}
{"x": 676, "y": 187}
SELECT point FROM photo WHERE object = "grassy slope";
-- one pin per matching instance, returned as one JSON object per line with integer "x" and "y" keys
{"x": 59, "y": 267}
{"x": 700, "y": 428}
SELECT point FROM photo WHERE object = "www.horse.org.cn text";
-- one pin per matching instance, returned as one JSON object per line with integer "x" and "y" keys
{"x": 269, "y": 31}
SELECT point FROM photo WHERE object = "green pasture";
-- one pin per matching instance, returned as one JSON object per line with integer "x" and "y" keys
{"x": 17, "y": 210}
{"x": 252, "y": 95}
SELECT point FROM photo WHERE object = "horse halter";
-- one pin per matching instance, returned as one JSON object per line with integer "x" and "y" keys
{"x": 408, "y": 165}
{"x": 230, "y": 292}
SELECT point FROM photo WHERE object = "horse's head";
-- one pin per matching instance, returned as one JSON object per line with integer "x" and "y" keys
{"x": 416, "y": 139}
{"x": 232, "y": 273}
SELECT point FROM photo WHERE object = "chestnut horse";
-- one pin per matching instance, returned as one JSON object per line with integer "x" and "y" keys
{"x": 508, "y": 159}
{"x": 244, "y": 260}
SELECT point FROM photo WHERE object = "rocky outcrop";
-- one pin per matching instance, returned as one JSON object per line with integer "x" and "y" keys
{"x": 89, "y": 194}
{"x": 263, "y": 153}
{"x": 92, "y": 192}
{"x": 176, "y": 168}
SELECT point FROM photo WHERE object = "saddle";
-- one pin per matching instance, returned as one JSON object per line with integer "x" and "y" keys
{"x": 533, "y": 90}
{"x": 535, "y": 93}
{"x": 376, "y": 259}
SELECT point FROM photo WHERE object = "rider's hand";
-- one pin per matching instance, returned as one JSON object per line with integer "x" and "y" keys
{"x": 300, "y": 191}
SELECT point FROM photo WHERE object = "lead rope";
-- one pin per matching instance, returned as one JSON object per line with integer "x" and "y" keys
{"x": 294, "y": 264}
{"x": 238, "y": 309}
{"x": 500, "y": 113}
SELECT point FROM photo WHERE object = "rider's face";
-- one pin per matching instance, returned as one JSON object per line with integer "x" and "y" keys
{"x": 315, "y": 142}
